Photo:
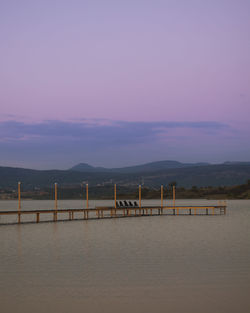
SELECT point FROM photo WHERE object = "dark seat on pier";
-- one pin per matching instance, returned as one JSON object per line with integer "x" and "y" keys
{"x": 117, "y": 204}
{"x": 120, "y": 203}
{"x": 135, "y": 204}
{"x": 130, "y": 203}
{"x": 126, "y": 203}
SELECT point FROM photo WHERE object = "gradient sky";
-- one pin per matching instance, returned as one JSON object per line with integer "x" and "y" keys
{"x": 116, "y": 83}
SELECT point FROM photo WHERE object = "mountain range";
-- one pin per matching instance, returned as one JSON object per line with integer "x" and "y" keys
{"x": 150, "y": 174}
{"x": 148, "y": 167}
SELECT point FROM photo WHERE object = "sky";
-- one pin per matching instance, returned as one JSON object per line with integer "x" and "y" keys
{"x": 116, "y": 83}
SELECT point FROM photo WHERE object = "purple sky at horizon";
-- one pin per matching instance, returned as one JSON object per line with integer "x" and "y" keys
{"x": 123, "y": 82}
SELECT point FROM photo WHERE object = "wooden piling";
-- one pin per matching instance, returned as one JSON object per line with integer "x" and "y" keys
{"x": 55, "y": 214}
{"x": 161, "y": 196}
{"x": 87, "y": 196}
{"x": 19, "y": 202}
{"x": 139, "y": 196}
{"x": 115, "y": 194}
{"x": 174, "y": 196}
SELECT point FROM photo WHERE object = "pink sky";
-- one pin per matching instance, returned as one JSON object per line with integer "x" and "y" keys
{"x": 168, "y": 60}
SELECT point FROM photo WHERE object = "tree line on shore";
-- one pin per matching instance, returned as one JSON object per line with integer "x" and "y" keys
{"x": 78, "y": 192}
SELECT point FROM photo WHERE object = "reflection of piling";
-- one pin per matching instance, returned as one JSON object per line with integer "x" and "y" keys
{"x": 19, "y": 202}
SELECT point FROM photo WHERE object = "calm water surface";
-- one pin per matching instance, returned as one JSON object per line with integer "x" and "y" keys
{"x": 147, "y": 264}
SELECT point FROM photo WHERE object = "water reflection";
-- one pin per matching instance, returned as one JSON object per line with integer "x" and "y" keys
{"x": 159, "y": 264}
{"x": 19, "y": 241}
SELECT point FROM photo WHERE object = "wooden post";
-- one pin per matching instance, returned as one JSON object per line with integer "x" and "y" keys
{"x": 84, "y": 213}
{"x": 19, "y": 202}
{"x": 139, "y": 196}
{"x": 55, "y": 215}
{"x": 166, "y": 194}
{"x": 161, "y": 196}
{"x": 56, "y": 196}
{"x": 173, "y": 195}
{"x": 115, "y": 194}
{"x": 87, "y": 196}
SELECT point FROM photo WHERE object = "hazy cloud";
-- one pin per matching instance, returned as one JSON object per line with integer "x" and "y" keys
{"x": 61, "y": 144}
{"x": 113, "y": 132}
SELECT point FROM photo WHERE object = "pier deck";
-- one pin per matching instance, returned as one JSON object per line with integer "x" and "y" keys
{"x": 111, "y": 212}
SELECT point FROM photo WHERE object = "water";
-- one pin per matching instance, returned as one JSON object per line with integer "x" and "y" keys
{"x": 147, "y": 264}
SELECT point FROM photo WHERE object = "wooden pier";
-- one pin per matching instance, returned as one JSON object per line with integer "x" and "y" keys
{"x": 112, "y": 212}
{"x": 101, "y": 212}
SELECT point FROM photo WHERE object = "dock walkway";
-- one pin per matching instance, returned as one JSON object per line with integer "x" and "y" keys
{"x": 112, "y": 212}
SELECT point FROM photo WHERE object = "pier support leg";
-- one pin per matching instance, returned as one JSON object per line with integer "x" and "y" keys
{"x": 190, "y": 211}
{"x": 206, "y": 211}
{"x": 19, "y": 218}
{"x": 37, "y": 217}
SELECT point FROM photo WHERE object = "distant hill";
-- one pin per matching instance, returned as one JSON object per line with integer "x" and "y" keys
{"x": 227, "y": 174}
{"x": 148, "y": 167}
{"x": 84, "y": 167}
